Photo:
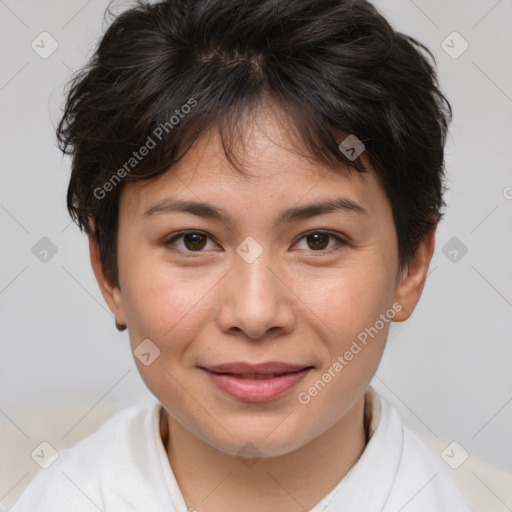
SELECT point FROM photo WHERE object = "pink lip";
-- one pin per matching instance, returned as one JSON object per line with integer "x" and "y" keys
{"x": 248, "y": 382}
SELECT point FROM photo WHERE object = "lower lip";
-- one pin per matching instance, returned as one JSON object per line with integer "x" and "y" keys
{"x": 256, "y": 390}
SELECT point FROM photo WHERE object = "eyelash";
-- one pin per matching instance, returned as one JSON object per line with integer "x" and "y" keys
{"x": 341, "y": 242}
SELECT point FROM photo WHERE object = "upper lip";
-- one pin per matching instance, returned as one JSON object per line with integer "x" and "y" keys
{"x": 270, "y": 367}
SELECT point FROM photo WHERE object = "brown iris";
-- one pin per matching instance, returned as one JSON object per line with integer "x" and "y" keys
{"x": 318, "y": 240}
{"x": 194, "y": 241}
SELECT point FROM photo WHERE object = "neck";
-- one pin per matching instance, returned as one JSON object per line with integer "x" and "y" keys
{"x": 210, "y": 479}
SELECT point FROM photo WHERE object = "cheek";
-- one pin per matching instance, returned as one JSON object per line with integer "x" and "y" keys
{"x": 350, "y": 300}
{"x": 350, "y": 306}
{"x": 164, "y": 304}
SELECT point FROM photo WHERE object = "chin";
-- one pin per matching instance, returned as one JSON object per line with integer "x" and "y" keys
{"x": 251, "y": 442}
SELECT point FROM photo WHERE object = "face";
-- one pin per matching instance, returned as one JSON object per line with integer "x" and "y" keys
{"x": 262, "y": 279}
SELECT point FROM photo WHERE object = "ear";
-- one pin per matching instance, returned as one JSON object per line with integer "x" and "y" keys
{"x": 412, "y": 278}
{"x": 111, "y": 293}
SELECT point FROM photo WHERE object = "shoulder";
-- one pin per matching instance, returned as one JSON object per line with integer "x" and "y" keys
{"x": 421, "y": 483}
{"x": 77, "y": 478}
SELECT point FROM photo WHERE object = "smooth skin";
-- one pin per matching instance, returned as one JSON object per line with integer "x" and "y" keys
{"x": 304, "y": 300}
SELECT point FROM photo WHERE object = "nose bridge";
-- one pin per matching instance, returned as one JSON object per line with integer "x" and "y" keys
{"x": 256, "y": 299}
{"x": 252, "y": 267}
{"x": 255, "y": 279}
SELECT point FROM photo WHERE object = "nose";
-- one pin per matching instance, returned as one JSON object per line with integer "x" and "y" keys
{"x": 256, "y": 300}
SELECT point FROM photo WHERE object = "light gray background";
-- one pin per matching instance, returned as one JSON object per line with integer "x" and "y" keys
{"x": 447, "y": 369}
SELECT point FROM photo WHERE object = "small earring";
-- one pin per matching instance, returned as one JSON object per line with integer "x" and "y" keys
{"x": 120, "y": 327}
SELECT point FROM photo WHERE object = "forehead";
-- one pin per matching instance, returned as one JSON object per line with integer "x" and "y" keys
{"x": 274, "y": 173}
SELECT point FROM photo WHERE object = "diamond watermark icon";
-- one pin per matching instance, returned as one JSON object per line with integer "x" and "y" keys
{"x": 44, "y": 45}
{"x": 454, "y": 249}
{"x": 44, "y": 250}
{"x": 249, "y": 454}
{"x": 249, "y": 250}
{"x": 454, "y": 455}
{"x": 351, "y": 147}
{"x": 454, "y": 45}
{"x": 146, "y": 352}
{"x": 44, "y": 455}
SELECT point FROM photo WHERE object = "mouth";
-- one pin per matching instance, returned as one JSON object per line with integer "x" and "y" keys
{"x": 256, "y": 383}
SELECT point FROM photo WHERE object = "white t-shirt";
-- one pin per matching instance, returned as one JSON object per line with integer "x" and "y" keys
{"x": 123, "y": 467}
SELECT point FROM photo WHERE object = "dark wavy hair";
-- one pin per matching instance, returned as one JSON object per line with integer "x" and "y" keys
{"x": 333, "y": 67}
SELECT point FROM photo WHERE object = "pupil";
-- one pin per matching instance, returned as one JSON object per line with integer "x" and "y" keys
{"x": 195, "y": 240}
{"x": 317, "y": 238}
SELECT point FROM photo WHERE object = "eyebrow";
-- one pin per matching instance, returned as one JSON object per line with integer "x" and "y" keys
{"x": 208, "y": 211}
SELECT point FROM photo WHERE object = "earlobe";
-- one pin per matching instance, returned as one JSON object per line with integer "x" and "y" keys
{"x": 111, "y": 293}
{"x": 413, "y": 277}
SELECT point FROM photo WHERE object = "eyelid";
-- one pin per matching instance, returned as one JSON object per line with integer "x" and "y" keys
{"x": 168, "y": 242}
{"x": 342, "y": 241}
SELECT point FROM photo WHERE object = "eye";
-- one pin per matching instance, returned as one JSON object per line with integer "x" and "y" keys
{"x": 196, "y": 241}
{"x": 193, "y": 241}
{"x": 318, "y": 241}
